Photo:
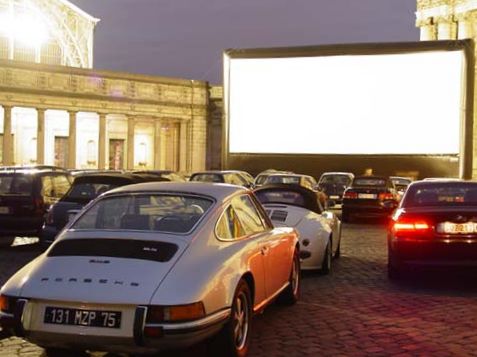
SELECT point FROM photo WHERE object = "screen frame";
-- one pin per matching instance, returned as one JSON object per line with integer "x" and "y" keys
{"x": 466, "y": 114}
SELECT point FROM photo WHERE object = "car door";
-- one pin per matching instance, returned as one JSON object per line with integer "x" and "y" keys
{"x": 273, "y": 247}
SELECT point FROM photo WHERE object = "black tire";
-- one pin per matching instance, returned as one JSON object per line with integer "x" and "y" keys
{"x": 291, "y": 294}
{"x": 234, "y": 339}
{"x": 326, "y": 265}
{"x": 344, "y": 216}
{"x": 394, "y": 271}
{"x": 62, "y": 352}
{"x": 338, "y": 250}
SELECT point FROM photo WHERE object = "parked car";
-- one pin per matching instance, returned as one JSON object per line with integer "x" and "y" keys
{"x": 334, "y": 184}
{"x": 369, "y": 196}
{"x": 297, "y": 179}
{"x": 155, "y": 266}
{"x": 434, "y": 225}
{"x": 26, "y": 193}
{"x": 262, "y": 176}
{"x": 85, "y": 188}
{"x": 234, "y": 177}
{"x": 299, "y": 207}
{"x": 168, "y": 175}
{"x": 401, "y": 184}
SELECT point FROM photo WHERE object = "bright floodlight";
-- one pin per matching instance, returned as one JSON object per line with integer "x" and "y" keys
{"x": 27, "y": 29}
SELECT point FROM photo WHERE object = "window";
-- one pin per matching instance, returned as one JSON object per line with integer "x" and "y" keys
{"x": 228, "y": 226}
{"x": 47, "y": 190}
{"x": 145, "y": 212}
{"x": 62, "y": 185}
{"x": 248, "y": 215}
{"x": 234, "y": 179}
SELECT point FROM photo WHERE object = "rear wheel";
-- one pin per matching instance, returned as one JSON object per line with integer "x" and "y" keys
{"x": 62, "y": 352}
{"x": 6, "y": 241}
{"x": 394, "y": 271}
{"x": 326, "y": 265}
{"x": 344, "y": 216}
{"x": 291, "y": 294}
{"x": 234, "y": 338}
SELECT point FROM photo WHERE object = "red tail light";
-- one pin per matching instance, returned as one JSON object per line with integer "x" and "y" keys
{"x": 411, "y": 227}
{"x": 384, "y": 196}
{"x": 38, "y": 204}
{"x": 350, "y": 195}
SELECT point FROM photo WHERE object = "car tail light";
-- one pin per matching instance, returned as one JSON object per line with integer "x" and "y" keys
{"x": 158, "y": 314}
{"x": 384, "y": 196}
{"x": 38, "y": 204}
{"x": 411, "y": 227}
{"x": 350, "y": 195}
{"x": 7, "y": 304}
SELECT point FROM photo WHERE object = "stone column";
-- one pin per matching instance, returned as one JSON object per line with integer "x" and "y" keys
{"x": 446, "y": 28}
{"x": 157, "y": 144}
{"x": 428, "y": 29}
{"x": 464, "y": 27}
{"x": 130, "y": 146}
{"x": 72, "y": 141}
{"x": 102, "y": 142}
{"x": 183, "y": 146}
{"x": 7, "y": 136}
{"x": 40, "y": 136}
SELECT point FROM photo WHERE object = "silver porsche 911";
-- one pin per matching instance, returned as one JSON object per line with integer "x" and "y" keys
{"x": 155, "y": 266}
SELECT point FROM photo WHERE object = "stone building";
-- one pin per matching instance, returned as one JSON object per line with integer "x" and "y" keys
{"x": 55, "y": 109}
{"x": 449, "y": 20}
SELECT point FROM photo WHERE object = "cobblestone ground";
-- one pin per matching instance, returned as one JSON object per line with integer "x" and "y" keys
{"x": 354, "y": 311}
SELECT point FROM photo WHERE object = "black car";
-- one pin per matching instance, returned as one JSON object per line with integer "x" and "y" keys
{"x": 334, "y": 184}
{"x": 369, "y": 196}
{"x": 26, "y": 193}
{"x": 234, "y": 177}
{"x": 85, "y": 188}
{"x": 434, "y": 225}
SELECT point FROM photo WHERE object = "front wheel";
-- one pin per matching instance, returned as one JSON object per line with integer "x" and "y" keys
{"x": 234, "y": 339}
{"x": 326, "y": 265}
{"x": 291, "y": 294}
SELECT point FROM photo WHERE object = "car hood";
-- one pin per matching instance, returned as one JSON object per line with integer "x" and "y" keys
{"x": 90, "y": 278}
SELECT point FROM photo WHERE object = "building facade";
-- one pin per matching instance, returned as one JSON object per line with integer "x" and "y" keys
{"x": 450, "y": 20}
{"x": 56, "y": 110}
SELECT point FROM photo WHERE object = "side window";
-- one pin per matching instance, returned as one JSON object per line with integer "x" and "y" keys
{"x": 61, "y": 184}
{"x": 47, "y": 191}
{"x": 228, "y": 226}
{"x": 248, "y": 215}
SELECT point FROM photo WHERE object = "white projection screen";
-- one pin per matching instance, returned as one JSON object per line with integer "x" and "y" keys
{"x": 395, "y": 101}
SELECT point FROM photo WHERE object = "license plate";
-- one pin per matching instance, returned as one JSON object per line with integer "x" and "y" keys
{"x": 369, "y": 196}
{"x": 457, "y": 228}
{"x": 81, "y": 317}
{"x": 4, "y": 210}
{"x": 334, "y": 197}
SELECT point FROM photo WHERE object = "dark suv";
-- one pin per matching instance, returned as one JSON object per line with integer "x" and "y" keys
{"x": 26, "y": 193}
{"x": 86, "y": 187}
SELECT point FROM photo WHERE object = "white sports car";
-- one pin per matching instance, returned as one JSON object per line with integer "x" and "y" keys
{"x": 296, "y": 206}
{"x": 155, "y": 266}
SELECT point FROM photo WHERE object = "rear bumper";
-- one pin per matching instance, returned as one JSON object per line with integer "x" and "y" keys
{"x": 167, "y": 336}
{"x": 367, "y": 210}
{"x": 20, "y": 226}
{"x": 435, "y": 253}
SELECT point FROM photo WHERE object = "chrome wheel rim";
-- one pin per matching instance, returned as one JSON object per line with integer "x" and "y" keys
{"x": 241, "y": 320}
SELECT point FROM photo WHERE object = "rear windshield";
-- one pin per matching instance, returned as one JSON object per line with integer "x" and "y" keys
{"x": 16, "y": 184}
{"x": 336, "y": 179}
{"x": 441, "y": 195}
{"x": 145, "y": 212}
{"x": 401, "y": 182}
{"x": 369, "y": 182}
{"x": 283, "y": 179}
{"x": 285, "y": 197}
{"x": 86, "y": 191}
{"x": 207, "y": 178}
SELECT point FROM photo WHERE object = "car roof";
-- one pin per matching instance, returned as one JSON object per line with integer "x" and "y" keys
{"x": 438, "y": 182}
{"x": 219, "y": 191}
{"x": 337, "y": 173}
{"x": 113, "y": 178}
